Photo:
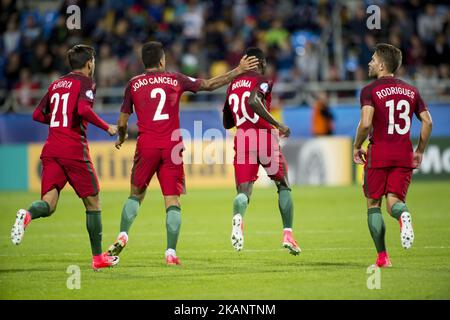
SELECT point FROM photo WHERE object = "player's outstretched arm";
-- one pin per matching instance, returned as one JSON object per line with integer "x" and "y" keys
{"x": 87, "y": 113}
{"x": 425, "y": 133}
{"x": 246, "y": 64}
{"x": 365, "y": 123}
{"x": 256, "y": 101}
{"x": 122, "y": 125}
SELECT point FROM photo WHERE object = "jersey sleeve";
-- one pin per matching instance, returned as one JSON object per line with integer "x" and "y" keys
{"x": 420, "y": 105}
{"x": 228, "y": 119}
{"x": 86, "y": 99}
{"x": 188, "y": 84}
{"x": 365, "y": 98}
{"x": 44, "y": 105}
{"x": 127, "y": 104}
{"x": 264, "y": 86}
{"x": 42, "y": 111}
{"x": 87, "y": 113}
{"x": 87, "y": 90}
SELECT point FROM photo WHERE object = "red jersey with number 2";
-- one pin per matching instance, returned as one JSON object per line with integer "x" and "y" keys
{"x": 395, "y": 102}
{"x": 155, "y": 97}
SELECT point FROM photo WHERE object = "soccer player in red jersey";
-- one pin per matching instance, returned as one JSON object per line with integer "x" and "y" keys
{"x": 154, "y": 96}
{"x": 387, "y": 108}
{"x": 67, "y": 107}
{"x": 257, "y": 143}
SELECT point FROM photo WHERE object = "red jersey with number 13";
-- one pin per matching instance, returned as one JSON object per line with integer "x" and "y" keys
{"x": 395, "y": 102}
{"x": 155, "y": 97}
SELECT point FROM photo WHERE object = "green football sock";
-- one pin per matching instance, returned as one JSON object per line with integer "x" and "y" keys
{"x": 94, "y": 228}
{"x": 286, "y": 207}
{"x": 129, "y": 213}
{"x": 240, "y": 204}
{"x": 173, "y": 224}
{"x": 377, "y": 228}
{"x": 39, "y": 209}
{"x": 397, "y": 209}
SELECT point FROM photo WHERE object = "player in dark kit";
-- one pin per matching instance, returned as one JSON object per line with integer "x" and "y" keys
{"x": 154, "y": 96}
{"x": 387, "y": 108}
{"x": 67, "y": 107}
{"x": 256, "y": 143}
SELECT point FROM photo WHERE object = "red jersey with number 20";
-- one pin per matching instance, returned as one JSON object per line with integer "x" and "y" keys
{"x": 155, "y": 97}
{"x": 394, "y": 101}
{"x": 67, "y": 108}
{"x": 237, "y": 99}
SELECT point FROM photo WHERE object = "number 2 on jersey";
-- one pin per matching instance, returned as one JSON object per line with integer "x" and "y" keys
{"x": 162, "y": 100}
{"x": 403, "y": 115}
{"x": 55, "y": 99}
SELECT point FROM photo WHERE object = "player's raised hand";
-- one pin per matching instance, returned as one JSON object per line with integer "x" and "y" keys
{"x": 359, "y": 156}
{"x": 112, "y": 129}
{"x": 284, "y": 131}
{"x": 417, "y": 160}
{"x": 248, "y": 63}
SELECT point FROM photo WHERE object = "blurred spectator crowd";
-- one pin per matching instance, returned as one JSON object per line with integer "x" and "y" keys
{"x": 206, "y": 38}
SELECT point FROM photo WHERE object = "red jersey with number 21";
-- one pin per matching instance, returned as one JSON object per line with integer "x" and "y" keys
{"x": 67, "y": 128}
{"x": 155, "y": 97}
{"x": 395, "y": 102}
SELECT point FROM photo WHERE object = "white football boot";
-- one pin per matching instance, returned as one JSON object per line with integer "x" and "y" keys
{"x": 406, "y": 230}
{"x": 18, "y": 229}
{"x": 237, "y": 233}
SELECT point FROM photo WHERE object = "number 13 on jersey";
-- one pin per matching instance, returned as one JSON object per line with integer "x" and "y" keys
{"x": 404, "y": 107}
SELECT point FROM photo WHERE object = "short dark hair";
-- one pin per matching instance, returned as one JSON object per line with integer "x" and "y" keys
{"x": 255, "y": 52}
{"x": 79, "y": 54}
{"x": 390, "y": 55}
{"x": 152, "y": 52}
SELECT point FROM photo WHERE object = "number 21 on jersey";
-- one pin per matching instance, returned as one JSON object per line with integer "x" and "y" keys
{"x": 403, "y": 106}
{"x": 55, "y": 99}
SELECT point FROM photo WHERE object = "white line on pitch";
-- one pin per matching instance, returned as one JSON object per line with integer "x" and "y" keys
{"x": 219, "y": 251}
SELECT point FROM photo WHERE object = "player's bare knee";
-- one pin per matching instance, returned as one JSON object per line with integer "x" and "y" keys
{"x": 51, "y": 198}
{"x": 138, "y": 196}
{"x": 282, "y": 185}
{"x": 391, "y": 200}
{"x": 373, "y": 203}
{"x": 389, "y": 207}
{"x": 172, "y": 201}
{"x": 246, "y": 188}
{"x": 92, "y": 203}
{"x": 137, "y": 193}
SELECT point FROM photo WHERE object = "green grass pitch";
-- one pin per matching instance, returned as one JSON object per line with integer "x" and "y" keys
{"x": 330, "y": 226}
